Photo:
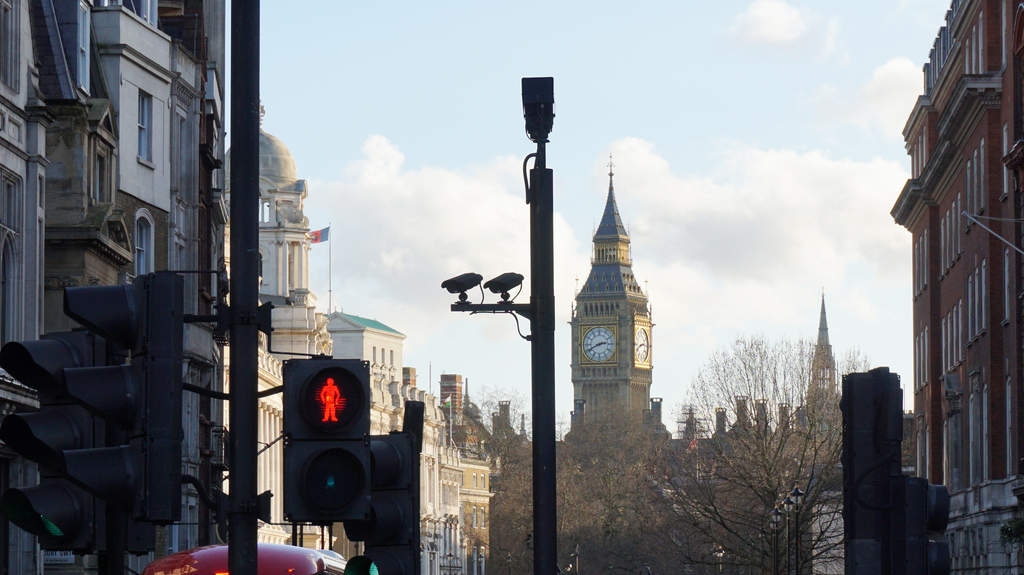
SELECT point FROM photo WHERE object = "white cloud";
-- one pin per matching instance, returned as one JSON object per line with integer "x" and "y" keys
{"x": 770, "y": 22}
{"x": 398, "y": 233}
{"x": 882, "y": 103}
{"x": 831, "y": 41}
{"x": 889, "y": 96}
{"x": 744, "y": 248}
{"x": 763, "y": 213}
{"x": 752, "y": 244}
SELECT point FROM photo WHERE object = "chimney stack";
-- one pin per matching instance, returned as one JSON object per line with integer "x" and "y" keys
{"x": 741, "y": 410}
{"x": 720, "y": 421}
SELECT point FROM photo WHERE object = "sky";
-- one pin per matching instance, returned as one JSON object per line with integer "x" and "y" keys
{"x": 757, "y": 147}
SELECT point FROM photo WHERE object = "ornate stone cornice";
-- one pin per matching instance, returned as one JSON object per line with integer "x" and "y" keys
{"x": 972, "y": 90}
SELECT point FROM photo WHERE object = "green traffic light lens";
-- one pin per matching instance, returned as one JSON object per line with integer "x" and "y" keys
{"x": 333, "y": 479}
{"x": 361, "y": 565}
{"x": 50, "y": 511}
{"x": 51, "y": 528}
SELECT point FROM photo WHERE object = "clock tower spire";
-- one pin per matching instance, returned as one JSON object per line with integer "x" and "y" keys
{"x": 611, "y": 324}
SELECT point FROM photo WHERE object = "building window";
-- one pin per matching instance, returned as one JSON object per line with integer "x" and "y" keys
{"x": 83, "y": 45}
{"x": 1002, "y": 26}
{"x": 1006, "y": 284}
{"x": 959, "y": 246}
{"x": 145, "y": 126}
{"x": 7, "y": 287}
{"x": 10, "y": 192}
{"x": 983, "y": 422}
{"x": 983, "y": 290}
{"x": 148, "y": 10}
{"x": 144, "y": 246}
{"x": 1006, "y": 170}
{"x": 99, "y": 177}
{"x": 970, "y": 305}
{"x": 971, "y": 205}
{"x": 1008, "y": 425}
{"x": 946, "y": 452}
{"x": 960, "y": 328}
{"x": 972, "y": 438}
{"x": 982, "y": 189}
{"x": 9, "y": 45}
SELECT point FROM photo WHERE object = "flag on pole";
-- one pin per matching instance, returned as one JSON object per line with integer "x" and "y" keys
{"x": 320, "y": 235}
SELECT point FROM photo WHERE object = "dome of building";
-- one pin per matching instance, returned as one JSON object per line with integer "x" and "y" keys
{"x": 276, "y": 162}
{"x": 277, "y": 165}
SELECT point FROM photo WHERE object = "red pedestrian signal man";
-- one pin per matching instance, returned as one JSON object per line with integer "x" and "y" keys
{"x": 330, "y": 396}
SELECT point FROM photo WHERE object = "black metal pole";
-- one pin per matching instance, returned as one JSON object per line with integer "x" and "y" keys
{"x": 245, "y": 145}
{"x": 796, "y": 539}
{"x": 775, "y": 551}
{"x": 789, "y": 531}
{"x": 542, "y": 324}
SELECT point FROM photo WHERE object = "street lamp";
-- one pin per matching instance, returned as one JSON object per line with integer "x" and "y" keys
{"x": 798, "y": 497}
{"x": 450, "y": 563}
{"x": 775, "y": 519}
{"x": 508, "y": 559}
{"x": 576, "y": 555}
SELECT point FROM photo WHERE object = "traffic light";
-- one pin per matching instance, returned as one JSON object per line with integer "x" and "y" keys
{"x": 922, "y": 515}
{"x": 142, "y": 321}
{"x": 391, "y": 535}
{"x": 326, "y": 449}
{"x": 61, "y": 515}
{"x": 872, "y": 431}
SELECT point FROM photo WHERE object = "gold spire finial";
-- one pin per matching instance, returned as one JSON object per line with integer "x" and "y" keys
{"x": 611, "y": 166}
{"x": 263, "y": 112}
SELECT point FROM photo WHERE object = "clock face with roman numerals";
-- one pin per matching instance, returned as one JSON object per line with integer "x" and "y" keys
{"x": 599, "y": 344}
{"x": 642, "y": 345}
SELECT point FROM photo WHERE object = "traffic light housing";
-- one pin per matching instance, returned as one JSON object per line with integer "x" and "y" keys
{"x": 139, "y": 401}
{"x": 326, "y": 449}
{"x": 391, "y": 535}
{"x": 893, "y": 523}
{"x": 60, "y": 514}
{"x": 872, "y": 431}
{"x": 923, "y": 512}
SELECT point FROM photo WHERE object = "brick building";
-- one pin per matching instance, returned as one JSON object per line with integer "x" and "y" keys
{"x": 959, "y": 205}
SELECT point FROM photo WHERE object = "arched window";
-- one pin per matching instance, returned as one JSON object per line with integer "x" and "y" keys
{"x": 144, "y": 246}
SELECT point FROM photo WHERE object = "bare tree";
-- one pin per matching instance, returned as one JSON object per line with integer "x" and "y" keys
{"x": 606, "y": 493}
{"x": 777, "y": 425}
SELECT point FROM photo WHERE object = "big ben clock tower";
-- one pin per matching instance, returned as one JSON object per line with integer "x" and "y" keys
{"x": 611, "y": 325}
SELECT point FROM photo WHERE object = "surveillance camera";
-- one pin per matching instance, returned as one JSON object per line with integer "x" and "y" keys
{"x": 462, "y": 283}
{"x": 505, "y": 283}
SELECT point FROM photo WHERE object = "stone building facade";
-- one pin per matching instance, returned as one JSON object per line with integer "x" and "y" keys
{"x": 111, "y": 140}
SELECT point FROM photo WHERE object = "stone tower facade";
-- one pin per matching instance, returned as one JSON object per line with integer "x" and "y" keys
{"x": 611, "y": 325}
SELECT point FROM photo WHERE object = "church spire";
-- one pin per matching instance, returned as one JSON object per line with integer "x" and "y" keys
{"x": 823, "y": 323}
{"x": 611, "y": 223}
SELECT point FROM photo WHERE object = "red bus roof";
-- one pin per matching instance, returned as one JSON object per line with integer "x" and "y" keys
{"x": 273, "y": 560}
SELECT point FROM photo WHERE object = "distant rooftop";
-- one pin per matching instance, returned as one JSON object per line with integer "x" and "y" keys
{"x": 369, "y": 323}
